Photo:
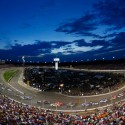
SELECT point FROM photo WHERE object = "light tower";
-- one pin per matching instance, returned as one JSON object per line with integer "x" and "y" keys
{"x": 23, "y": 59}
{"x": 56, "y": 60}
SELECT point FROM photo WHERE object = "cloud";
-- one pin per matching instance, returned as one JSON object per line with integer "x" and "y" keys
{"x": 82, "y": 26}
{"x": 113, "y": 51}
{"x": 100, "y": 42}
{"x": 38, "y": 49}
{"x": 115, "y": 46}
{"x": 81, "y": 42}
{"x": 47, "y": 45}
{"x": 49, "y": 48}
{"x": 106, "y": 13}
{"x": 74, "y": 48}
{"x": 111, "y": 13}
{"x": 119, "y": 39}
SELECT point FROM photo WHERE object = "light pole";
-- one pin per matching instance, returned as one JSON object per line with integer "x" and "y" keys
{"x": 23, "y": 59}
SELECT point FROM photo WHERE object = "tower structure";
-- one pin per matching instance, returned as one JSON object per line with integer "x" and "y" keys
{"x": 23, "y": 59}
{"x": 56, "y": 60}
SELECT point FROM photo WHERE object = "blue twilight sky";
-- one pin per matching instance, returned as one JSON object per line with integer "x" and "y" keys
{"x": 73, "y": 30}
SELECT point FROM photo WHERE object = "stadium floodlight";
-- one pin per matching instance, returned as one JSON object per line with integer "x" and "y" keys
{"x": 56, "y": 60}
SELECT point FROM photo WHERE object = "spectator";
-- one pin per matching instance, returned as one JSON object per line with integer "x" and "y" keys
{"x": 14, "y": 113}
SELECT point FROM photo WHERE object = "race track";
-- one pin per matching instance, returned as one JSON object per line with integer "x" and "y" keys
{"x": 17, "y": 88}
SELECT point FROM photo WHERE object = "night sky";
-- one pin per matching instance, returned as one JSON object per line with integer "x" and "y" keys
{"x": 72, "y": 30}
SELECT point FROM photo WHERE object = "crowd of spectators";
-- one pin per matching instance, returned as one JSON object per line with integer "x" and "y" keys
{"x": 72, "y": 82}
{"x": 15, "y": 113}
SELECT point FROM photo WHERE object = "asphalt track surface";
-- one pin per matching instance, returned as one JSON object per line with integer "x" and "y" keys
{"x": 16, "y": 88}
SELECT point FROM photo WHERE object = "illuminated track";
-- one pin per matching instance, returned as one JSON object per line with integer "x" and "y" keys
{"x": 21, "y": 88}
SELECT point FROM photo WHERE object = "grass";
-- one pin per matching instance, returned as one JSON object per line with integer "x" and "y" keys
{"x": 9, "y": 74}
